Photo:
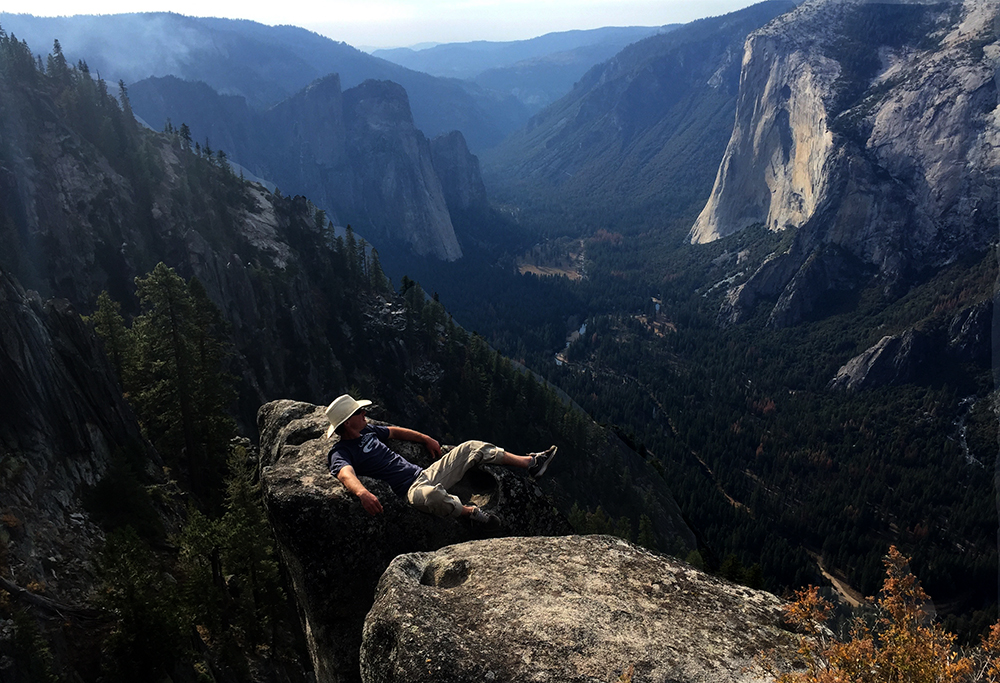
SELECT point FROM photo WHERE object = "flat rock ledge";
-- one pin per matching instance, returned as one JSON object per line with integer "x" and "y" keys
{"x": 335, "y": 552}
{"x": 568, "y": 609}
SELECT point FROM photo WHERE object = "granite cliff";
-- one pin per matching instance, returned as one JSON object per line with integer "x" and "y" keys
{"x": 357, "y": 154}
{"x": 880, "y": 159}
{"x": 967, "y": 337}
{"x": 396, "y": 186}
{"x": 63, "y": 421}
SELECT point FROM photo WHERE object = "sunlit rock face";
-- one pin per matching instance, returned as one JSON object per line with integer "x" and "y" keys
{"x": 573, "y": 609}
{"x": 773, "y": 169}
{"x": 889, "y": 158}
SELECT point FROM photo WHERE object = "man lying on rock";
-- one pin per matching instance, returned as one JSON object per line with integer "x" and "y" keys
{"x": 361, "y": 451}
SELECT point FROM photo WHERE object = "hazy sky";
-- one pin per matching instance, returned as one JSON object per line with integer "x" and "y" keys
{"x": 392, "y": 23}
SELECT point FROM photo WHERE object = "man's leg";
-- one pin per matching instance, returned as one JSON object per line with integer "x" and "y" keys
{"x": 430, "y": 490}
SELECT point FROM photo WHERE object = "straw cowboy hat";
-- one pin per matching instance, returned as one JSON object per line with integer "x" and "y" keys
{"x": 341, "y": 409}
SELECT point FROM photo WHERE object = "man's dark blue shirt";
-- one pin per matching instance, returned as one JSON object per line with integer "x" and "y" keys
{"x": 370, "y": 457}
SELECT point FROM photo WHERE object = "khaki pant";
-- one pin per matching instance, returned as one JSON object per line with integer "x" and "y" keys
{"x": 429, "y": 492}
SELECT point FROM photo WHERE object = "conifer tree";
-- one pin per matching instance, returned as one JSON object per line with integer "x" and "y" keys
{"x": 377, "y": 278}
{"x": 178, "y": 388}
{"x": 126, "y": 105}
{"x": 110, "y": 326}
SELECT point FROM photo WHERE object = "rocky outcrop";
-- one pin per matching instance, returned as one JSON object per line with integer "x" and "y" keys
{"x": 62, "y": 421}
{"x": 892, "y": 160}
{"x": 893, "y": 360}
{"x": 903, "y": 358}
{"x": 335, "y": 552}
{"x": 458, "y": 170}
{"x": 571, "y": 609}
{"x": 395, "y": 185}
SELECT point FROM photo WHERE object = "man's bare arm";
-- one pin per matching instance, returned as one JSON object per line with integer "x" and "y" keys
{"x": 404, "y": 434}
{"x": 351, "y": 482}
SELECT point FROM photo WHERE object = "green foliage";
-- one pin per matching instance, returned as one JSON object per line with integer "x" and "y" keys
{"x": 176, "y": 383}
{"x": 646, "y": 538}
{"x": 148, "y": 634}
{"x": 110, "y": 327}
{"x": 249, "y": 551}
{"x": 695, "y": 559}
{"x": 231, "y": 584}
{"x": 32, "y": 658}
{"x": 598, "y": 522}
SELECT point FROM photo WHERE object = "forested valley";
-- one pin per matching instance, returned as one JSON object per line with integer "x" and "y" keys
{"x": 775, "y": 471}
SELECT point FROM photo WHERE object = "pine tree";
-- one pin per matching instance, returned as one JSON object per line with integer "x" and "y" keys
{"x": 646, "y": 538}
{"x": 178, "y": 388}
{"x": 377, "y": 278}
{"x": 249, "y": 549}
{"x": 110, "y": 327}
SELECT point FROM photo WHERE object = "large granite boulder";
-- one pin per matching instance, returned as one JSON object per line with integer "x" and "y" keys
{"x": 335, "y": 552}
{"x": 575, "y": 608}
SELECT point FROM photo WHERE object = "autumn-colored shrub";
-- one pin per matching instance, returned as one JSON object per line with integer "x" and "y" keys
{"x": 902, "y": 645}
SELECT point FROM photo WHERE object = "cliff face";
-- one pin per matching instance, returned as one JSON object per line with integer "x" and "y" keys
{"x": 356, "y": 154}
{"x": 897, "y": 359}
{"x": 773, "y": 168}
{"x": 640, "y": 134}
{"x": 302, "y": 144}
{"x": 395, "y": 183}
{"x": 62, "y": 421}
{"x": 458, "y": 170}
{"x": 888, "y": 158}
{"x": 573, "y": 609}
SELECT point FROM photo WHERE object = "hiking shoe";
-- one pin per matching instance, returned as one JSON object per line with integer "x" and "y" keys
{"x": 540, "y": 461}
{"x": 480, "y": 516}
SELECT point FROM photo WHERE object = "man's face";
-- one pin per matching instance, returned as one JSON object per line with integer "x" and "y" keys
{"x": 357, "y": 420}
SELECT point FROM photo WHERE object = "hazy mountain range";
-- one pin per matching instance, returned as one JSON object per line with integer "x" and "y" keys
{"x": 536, "y": 71}
{"x": 266, "y": 64}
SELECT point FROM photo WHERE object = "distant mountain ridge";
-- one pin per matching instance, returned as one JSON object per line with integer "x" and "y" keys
{"x": 469, "y": 59}
{"x": 537, "y": 71}
{"x": 263, "y": 64}
{"x": 355, "y": 153}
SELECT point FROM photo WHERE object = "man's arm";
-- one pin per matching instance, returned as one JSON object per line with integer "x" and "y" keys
{"x": 404, "y": 434}
{"x": 351, "y": 482}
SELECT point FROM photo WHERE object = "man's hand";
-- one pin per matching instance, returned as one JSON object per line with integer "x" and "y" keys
{"x": 370, "y": 502}
{"x": 433, "y": 446}
{"x": 351, "y": 482}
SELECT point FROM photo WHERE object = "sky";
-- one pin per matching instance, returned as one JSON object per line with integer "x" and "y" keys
{"x": 401, "y": 23}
